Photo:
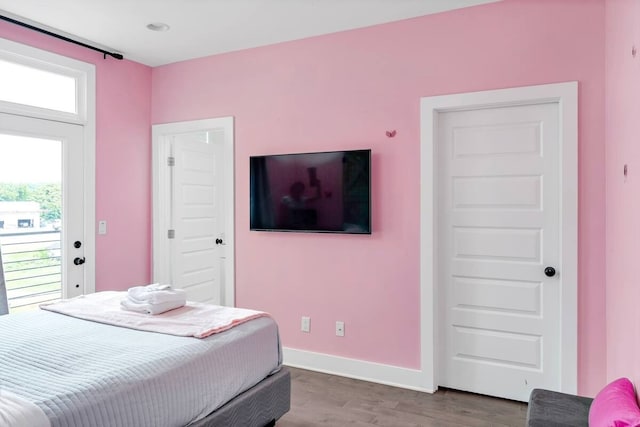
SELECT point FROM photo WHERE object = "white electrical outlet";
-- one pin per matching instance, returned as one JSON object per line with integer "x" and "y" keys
{"x": 306, "y": 324}
{"x": 339, "y": 329}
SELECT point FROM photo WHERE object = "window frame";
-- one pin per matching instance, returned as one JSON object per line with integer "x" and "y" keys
{"x": 81, "y": 72}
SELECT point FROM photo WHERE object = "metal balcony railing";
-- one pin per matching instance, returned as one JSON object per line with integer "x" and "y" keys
{"x": 32, "y": 268}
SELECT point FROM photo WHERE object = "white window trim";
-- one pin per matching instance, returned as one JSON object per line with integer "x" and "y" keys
{"x": 85, "y": 75}
{"x": 57, "y": 64}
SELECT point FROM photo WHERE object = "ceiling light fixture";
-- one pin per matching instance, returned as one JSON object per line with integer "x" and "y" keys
{"x": 158, "y": 26}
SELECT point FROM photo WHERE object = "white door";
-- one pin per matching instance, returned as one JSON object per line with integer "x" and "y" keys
{"x": 500, "y": 249}
{"x": 193, "y": 208}
{"x": 197, "y": 248}
{"x": 55, "y": 148}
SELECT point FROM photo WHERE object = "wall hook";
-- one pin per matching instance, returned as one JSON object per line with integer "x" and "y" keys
{"x": 391, "y": 133}
{"x": 634, "y": 51}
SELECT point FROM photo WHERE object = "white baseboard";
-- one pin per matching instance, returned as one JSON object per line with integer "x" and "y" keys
{"x": 357, "y": 369}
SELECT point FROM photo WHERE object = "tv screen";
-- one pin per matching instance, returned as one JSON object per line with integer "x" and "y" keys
{"x": 326, "y": 192}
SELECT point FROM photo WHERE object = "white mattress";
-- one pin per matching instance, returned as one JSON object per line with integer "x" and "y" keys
{"x": 86, "y": 374}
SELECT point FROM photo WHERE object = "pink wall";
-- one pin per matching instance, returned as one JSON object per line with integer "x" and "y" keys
{"x": 344, "y": 91}
{"x": 623, "y": 195}
{"x": 123, "y": 160}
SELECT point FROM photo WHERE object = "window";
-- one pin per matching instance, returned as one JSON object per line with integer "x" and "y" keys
{"x": 26, "y": 85}
{"x": 43, "y": 84}
{"x": 25, "y": 223}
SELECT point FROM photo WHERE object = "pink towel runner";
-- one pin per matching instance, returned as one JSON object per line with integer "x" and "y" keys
{"x": 193, "y": 320}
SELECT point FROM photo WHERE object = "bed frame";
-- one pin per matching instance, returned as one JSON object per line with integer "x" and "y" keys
{"x": 260, "y": 406}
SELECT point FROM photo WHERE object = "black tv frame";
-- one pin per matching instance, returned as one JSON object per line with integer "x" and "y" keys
{"x": 288, "y": 230}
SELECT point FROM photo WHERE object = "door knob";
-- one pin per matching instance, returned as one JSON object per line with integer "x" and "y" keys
{"x": 218, "y": 241}
{"x": 78, "y": 261}
{"x": 550, "y": 271}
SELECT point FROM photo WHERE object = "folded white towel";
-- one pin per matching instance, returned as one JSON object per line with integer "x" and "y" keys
{"x": 157, "y": 287}
{"x": 153, "y": 287}
{"x": 156, "y": 294}
{"x": 147, "y": 308}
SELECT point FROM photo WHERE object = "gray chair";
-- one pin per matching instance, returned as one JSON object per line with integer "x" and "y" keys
{"x": 4, "y": 305}
{"x": 552, "y": 409}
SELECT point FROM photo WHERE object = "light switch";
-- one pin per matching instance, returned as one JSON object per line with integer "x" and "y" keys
{"x": 102, "y": 227}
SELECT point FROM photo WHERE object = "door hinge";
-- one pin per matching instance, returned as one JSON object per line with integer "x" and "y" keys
{"x": 171, "y": 234}
{"x": 171, "y": 161}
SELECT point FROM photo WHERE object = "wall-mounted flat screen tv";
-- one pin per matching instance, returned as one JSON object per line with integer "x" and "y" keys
{"x": 327, "y": 192}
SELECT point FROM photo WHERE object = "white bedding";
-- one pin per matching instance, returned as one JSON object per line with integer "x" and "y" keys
{"x": 16, "y": 411}
{"x": 86, "y": 374}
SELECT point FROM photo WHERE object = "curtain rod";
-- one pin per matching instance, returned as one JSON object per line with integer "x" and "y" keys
{"x": 58, "y": 36}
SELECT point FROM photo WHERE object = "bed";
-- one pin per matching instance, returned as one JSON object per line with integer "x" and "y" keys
{"x": 82, "y": 373}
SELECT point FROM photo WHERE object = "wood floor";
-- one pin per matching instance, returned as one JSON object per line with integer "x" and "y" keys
{"x": 326, "y": 400}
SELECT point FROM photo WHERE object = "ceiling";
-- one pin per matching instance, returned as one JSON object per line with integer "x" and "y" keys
{"x": 206, "y": 27}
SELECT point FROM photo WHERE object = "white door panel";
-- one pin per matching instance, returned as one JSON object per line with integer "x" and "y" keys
{"x": 499, "y": 295}
{"x": 196, "y": 210}
{"x": 486, "y": 243}
{"x": 499, "y": 175}
{"x": 202, "y": 292}
{"x": 496, "y": 270}
{"x": 494, "y": 346}
{"x": 497, "y": 192}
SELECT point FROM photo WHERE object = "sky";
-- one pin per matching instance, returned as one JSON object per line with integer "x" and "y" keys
{"x": 27, "y": 159}
{"x": 30, "y": 86}
{"x": 30, "y": 160}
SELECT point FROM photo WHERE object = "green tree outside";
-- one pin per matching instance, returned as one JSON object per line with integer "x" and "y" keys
{"x": 48, "y": 195}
